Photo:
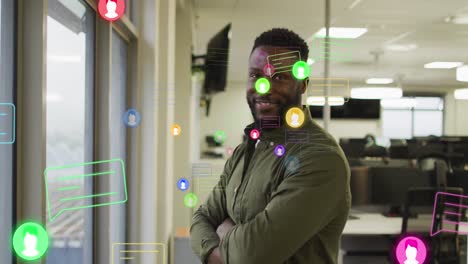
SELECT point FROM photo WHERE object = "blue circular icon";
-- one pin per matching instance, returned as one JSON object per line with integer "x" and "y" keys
{"x": 292, "y": 165}
{"x": 183, "y": 184}
{"x": 132, "y": 118}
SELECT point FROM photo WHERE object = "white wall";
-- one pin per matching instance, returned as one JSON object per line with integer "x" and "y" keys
{"x": 229, "y": 112}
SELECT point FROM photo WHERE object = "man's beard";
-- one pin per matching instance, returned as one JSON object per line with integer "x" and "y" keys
{"x": 281, "y": 112}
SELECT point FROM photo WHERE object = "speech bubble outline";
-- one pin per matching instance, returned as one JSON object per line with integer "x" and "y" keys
{"x": 276, "y": 60}
{"x": 300, "y": 136}
{"x": 13, "y": 126}
{"x": 340, "y": 49}
{"x": 138, "y": 251}
{"x": 318, "y": 85}
{"x": 456, "y": 223}
{"x": 52, "y": 218}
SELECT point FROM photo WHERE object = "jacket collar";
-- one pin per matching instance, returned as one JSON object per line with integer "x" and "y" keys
{"x": 278, "y": 135}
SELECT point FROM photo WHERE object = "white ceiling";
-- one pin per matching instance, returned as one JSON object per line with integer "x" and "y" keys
{"x": 419, "y": 22}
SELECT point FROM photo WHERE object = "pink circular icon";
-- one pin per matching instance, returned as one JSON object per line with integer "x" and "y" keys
{"x": 269, "y": 69}
{"x": 254, "y": 134}
{"x": 111, "y": 10}
{"x": 411, "y": 250}
{"x": 229, "y": 151}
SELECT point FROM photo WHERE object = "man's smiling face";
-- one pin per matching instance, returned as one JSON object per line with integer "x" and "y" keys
{"x": 285, "y": 91}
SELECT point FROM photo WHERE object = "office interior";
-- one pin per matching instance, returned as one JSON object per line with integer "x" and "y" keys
{"x": 68, "y": 78}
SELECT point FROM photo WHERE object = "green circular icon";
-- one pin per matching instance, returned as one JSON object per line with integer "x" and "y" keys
{"x": 301, "y": 70}
{"x": 30, "y": 241}
{"x": 219, "y": 136}
{"x": 190, "y": 200}
{"x": 262, "y": 86}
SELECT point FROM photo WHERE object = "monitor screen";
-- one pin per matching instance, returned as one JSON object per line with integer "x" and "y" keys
{"x": 353, "y": 108}
{"x": 216, "y": 62}
{"x": 389, "y": 185}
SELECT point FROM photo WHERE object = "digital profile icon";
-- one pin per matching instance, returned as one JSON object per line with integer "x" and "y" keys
{"x": 30, "y": 241}
{"x": 279, "y": 150}
{"x": 183, "y": 184}
{"x": 131, "y": 118}
{"x": 111, "y": 10}
{"x": 295, "y": 117}
{"x": 254, "y": 134}
{"x": 411, "y": 250}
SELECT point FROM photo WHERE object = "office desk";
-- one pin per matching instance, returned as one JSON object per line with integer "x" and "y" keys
{"x": 373, "y": 224}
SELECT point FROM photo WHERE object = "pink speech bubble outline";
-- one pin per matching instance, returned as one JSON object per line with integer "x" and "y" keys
{"x": 456, "y": 223}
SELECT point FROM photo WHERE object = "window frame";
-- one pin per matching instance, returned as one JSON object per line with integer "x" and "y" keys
{"x": 9, "y": 33}
{"x": 104, "y": 30}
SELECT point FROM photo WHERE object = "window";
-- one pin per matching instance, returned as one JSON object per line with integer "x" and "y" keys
{"x": 409, "y": 117}
{"x": 7, "y": 124}
{"x": 118, "y": 136}
{"x": 69, "y": 135}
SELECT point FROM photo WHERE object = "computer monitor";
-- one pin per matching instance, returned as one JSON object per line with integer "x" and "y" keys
{"x": 389, "y": 185}
{"x": 459, "y": 178}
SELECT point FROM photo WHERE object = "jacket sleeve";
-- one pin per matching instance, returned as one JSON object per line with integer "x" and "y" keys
{"x": 304, "y": 203}
{"x": 207, "y": 218}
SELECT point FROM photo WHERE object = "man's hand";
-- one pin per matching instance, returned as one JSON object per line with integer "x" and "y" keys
{"x": 215, "y": 257}
{"x": 223, "y": 228}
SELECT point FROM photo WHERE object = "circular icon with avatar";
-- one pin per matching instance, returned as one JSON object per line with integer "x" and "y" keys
{"x": 301, "y": 70}
{"x": 269, "y": 69}
{"x": 262, "y": 86}
{"x": 279, "y": 150}
{"x": 229, "y": 151}
{"x": 111, "y": 10}
{"x": 183, "y": 184}
{"x": 132, "y": 118}
{"x": 176, "y": 130}
{"x": 219, "y": 137}
{"x": 295, "y": 117}
{"x": 30, "y": 241}
{"x": 254, "y": 134}
{"x": 411, "y": 250}
{"x": 190, "y": 200}
{"x": 292, "y": 165}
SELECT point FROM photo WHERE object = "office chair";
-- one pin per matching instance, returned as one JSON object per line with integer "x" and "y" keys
{"x": 417, "y": 218}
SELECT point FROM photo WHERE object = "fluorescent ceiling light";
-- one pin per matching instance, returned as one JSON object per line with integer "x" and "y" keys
{"x": 401, "y": 47}
{"x": 379, "y": 80}
{"x": 376, "y": 92}
{"x": 398, "y": 103}
{"x": 461, "y": 94}
{"x": 320, "y": 100}
{"x": 310, "y": 61}
{"x": 462, "y": 73}
{"x": 341, "y": 32}
{"x": 443, "y": 64}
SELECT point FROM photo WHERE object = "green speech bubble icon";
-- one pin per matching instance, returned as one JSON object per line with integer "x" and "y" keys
{"x": 30, "y": 241}
{"x": 65, "y": 190}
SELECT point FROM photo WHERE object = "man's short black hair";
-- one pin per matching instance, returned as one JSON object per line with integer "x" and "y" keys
{"x": 282, "y": 37}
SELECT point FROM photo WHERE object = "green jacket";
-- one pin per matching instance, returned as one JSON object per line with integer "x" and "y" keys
{"x": 289, "y": 209}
